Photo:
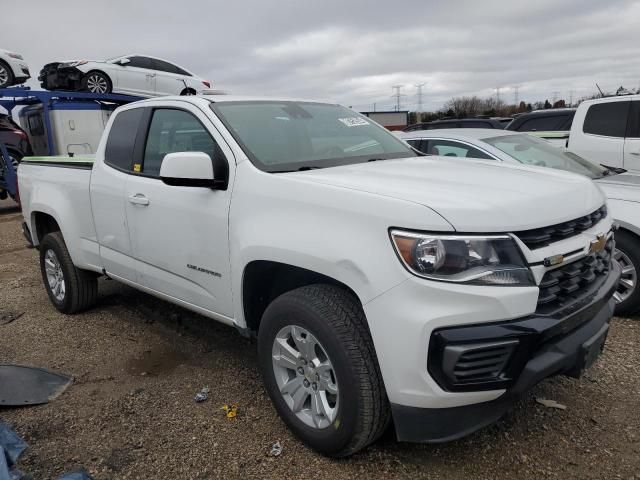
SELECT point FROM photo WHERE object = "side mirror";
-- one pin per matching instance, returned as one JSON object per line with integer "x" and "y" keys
{"x": 188, "y": 169}
{"x": 123, "y": 61}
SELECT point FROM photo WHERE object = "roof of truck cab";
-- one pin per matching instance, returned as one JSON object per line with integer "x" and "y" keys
{"x": 223, "y": 98}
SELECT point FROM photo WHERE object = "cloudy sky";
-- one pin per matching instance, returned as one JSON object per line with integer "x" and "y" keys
{"x": 350, "y": 51}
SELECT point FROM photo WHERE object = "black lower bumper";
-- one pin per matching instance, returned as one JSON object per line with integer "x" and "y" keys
{"x": 566, "y": 346}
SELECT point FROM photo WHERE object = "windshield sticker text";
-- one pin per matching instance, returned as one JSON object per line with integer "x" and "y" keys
{"x": 353, "y": 121}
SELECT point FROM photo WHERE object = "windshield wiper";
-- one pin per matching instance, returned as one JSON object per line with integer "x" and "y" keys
{"x": 300, "y": 169}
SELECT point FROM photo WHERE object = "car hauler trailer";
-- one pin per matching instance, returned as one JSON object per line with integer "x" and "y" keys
{"x": 57, "y": 123}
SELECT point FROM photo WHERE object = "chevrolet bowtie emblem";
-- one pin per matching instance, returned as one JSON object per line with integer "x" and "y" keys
{"x": 555, "y": 260}
{"x": 598, "y": 244}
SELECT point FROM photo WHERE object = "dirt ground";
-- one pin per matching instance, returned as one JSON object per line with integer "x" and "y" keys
{"x": 138, "y": 362}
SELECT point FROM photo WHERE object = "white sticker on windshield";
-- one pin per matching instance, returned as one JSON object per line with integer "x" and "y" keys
{"x": 353, "y": 121}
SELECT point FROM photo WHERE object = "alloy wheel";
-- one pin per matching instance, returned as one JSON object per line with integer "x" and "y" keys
{"x": 97, "y": 84}
{"x": 55, "y": 275}
{"x": 628, "y": 278}
{"x": 305, "y": 376}
{"x": 4, "y": 75}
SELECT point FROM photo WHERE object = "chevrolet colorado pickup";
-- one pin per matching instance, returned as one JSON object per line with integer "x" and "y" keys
{"x": 381, "y": 285}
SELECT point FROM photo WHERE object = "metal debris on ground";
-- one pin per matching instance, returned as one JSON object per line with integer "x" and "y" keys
{"x": 202, "y": 395}
{"x": 230, "y": 410}
{"x": 77, "y": 475}
{"x": 276, "y": 449}
{"x": 9, "y": 317}
{"x": 551, "y": 403}
{"x": 21, "y": 385}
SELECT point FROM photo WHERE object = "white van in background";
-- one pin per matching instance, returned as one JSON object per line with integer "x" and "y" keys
{"x": 607, "y": 131}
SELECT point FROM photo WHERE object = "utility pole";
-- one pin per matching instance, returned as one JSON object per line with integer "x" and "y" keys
{"x": 570, "y": 98}
{"x": 516, "y": 97}
{"x": 374, "y": 106}
{"x": 419, "y": 87}
{"x": 498, "y": 95}
{"x": 555, "y": 96}
{"x": 397, "y": 95}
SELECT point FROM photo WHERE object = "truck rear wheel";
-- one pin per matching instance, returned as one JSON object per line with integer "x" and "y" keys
{"x": 320, "y": 369}
{"x": 70, "y": 289}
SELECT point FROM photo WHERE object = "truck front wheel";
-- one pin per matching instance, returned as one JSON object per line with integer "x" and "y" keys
{"x": 320, "y": 369}
{"x": 627, "y": 254}
{"x": 70, "y": 289}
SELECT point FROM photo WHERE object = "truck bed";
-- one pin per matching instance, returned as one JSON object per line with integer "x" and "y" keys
{"x": 59, "y": 187}
{"x": 86, "y": 161}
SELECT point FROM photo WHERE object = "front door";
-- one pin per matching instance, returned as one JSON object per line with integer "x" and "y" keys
{"x": 137, "y": 77}
{"x": 180, "y": 235}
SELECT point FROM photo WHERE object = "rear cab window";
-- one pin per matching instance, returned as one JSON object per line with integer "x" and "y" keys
{"x": 122, "y": 139}
{"x": 607, "y": 119}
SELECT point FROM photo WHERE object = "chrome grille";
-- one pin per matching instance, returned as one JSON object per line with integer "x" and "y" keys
{"x": 541, "y": 237}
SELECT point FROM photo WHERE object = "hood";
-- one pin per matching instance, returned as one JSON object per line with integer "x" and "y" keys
{"x": 474, "y": 196}
{"x": 625, "y": 186}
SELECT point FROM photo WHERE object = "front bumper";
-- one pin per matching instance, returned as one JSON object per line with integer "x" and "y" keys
{"x": 54, "y": 77}
{"x": 553, "y": 346}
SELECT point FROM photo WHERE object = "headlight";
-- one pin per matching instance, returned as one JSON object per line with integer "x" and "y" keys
{"x": 72, "y": 64}
{"x": 474, "y": 259}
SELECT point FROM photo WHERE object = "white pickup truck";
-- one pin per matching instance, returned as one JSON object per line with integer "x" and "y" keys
{"x": 380, "y": 283}
{"x": 606, "y": 131}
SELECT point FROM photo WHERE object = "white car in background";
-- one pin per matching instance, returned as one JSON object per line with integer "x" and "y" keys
{"x": 622, "y": 189}
{"x": 13, "y": 69}
{"x": 139, "y": 75}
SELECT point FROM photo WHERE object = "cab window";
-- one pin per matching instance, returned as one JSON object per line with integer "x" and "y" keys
{"x": 122, "y": 139}
{"x": 173, "y": 131}
{"x": 607, "y": 119}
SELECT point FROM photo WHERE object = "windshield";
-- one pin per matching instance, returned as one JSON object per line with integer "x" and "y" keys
{"x": 287, "y": 136}
{"x": 534, "y": 151}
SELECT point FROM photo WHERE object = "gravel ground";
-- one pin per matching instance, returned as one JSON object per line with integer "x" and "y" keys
{"x": 138, "y": 361}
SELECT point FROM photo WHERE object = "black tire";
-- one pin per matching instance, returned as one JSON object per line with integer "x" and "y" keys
{"x": 335, "y": 317}
{"x": 10, "y": 77}
{"x": 629, "y": 245}
{"x": 96, "y": 78}
{"x": 81, "y": 286}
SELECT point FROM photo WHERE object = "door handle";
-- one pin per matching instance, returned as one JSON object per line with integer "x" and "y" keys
{"x": 139, "y": 199}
